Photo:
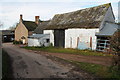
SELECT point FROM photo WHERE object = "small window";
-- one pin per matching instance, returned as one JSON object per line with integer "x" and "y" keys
{"x": 47, "y": 40}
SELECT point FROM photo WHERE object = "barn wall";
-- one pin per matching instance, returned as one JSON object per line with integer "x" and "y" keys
{"x": 71, "y": 37}
{"x": 51, "y": 32}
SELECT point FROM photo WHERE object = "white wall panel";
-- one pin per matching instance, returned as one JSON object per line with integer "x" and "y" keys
{"x": 84, "y": 35}
{"x": 51, "y": 32}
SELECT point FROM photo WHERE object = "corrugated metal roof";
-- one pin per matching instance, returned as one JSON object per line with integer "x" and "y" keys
{"x": 109, "y": 29}
{"x": 38, "y": 35}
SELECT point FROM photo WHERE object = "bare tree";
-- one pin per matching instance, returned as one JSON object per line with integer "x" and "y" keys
{"x": 1, "y": 24}
{"x": 13, "y": 26}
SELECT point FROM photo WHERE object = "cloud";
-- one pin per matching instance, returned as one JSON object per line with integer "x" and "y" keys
{"x": 103, "y": 1}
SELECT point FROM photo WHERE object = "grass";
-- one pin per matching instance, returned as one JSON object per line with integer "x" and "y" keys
{"x": 98, "y": 70}
{"x": 68, "y": 50}
{"x": 6, "y": 65}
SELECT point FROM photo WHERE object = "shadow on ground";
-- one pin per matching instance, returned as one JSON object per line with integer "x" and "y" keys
{"x": 7, "y": 71}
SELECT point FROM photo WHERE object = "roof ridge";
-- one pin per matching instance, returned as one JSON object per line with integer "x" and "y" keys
{"x": 106, "y": 5}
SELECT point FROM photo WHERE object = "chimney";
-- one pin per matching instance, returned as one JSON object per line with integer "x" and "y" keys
{"x": 21, "y": 18}
{"x": 37, "y": 19}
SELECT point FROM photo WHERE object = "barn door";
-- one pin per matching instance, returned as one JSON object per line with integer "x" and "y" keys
{"x": 59, "y": 38}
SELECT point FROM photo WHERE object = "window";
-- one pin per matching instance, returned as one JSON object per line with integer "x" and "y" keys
{"x": 47, "y": 40}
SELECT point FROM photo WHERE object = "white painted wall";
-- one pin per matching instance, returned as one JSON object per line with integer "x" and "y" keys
{"x": 33, "y": 42}
{"x": 84, "y": 36}
{"x": 51, "y": 32}
{"x": 38, "y": 41}
{"x": 72, "y": 34}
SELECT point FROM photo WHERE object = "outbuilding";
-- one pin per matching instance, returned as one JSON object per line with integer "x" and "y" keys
{"x": 39, "y": 40}
{"x": 104, "y": 36}
{"x": 7, "y": 35}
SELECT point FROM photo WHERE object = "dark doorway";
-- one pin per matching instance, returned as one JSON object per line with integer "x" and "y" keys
{"x": 59, "y": 38}
{"x": 7, "y": 38}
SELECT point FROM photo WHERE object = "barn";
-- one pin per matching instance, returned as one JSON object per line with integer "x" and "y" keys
{"x": 77, "y": 29}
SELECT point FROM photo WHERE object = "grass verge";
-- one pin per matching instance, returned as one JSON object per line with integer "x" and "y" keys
{"x": 68, "y": 50}
{"x": 98, "y": 70}
{"x": 6, "y": 65}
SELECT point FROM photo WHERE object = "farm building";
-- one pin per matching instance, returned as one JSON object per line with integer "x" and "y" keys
{"x": 25, "y": 28}
{"x": 39, "y": 40}
{"x": 77, "y": 29}
{"x": 7, "y": 35}
{"x": 104, "y": 35}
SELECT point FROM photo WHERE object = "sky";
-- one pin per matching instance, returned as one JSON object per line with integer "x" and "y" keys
{"x": 10, "y": 10}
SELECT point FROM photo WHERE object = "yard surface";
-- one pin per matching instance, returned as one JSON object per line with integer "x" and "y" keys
{"x": 27, "y": 64}
{"x": 40, "y": 63}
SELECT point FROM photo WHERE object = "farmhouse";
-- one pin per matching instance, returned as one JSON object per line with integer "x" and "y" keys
{"x": 25, "y": 28}
{"x": 77, "y": 29}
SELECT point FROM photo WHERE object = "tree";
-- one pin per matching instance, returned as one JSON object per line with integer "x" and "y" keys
{"x": 115, "y": 46}
{"x": 1, "y": 24}
{"x": 13, "y": 26}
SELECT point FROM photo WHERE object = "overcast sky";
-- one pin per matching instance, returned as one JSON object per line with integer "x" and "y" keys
{"x": 46, "y": 9}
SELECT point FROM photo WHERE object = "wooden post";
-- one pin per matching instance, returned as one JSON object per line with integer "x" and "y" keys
{"x": 91, "y": 42}
{"x": 77, "y": 41}
{"x": 70, "y": 42}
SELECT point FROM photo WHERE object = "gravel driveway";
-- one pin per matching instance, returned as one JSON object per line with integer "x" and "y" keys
{"x": 29, "y": 65}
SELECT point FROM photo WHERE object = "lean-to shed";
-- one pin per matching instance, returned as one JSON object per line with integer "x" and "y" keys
{"x": 39, "y": 40}
{"x": 104, "y": 35}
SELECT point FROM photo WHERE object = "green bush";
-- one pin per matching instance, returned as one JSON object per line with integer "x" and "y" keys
{"x": 17, "y": 42}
